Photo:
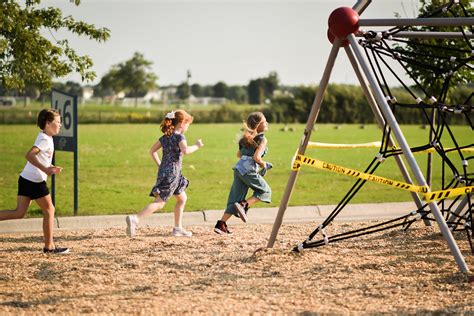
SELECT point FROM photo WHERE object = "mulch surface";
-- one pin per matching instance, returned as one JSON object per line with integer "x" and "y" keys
{"x": 106, "y": 272}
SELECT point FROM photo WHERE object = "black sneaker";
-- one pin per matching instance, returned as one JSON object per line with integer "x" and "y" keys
{"x": 242, "y": 208}
{"x": 227, "y": 229}
{"x": 59, "y": 251}
{"x": 221, "y": 228}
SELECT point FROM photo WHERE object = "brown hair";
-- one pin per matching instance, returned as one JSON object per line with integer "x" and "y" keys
{"x": 250, "y": 129}
{"x": 45, "y": 116}
{"x": 180, "y": 116}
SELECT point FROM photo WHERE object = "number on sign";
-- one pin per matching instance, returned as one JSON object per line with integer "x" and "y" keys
{"x": 66, "y": 117}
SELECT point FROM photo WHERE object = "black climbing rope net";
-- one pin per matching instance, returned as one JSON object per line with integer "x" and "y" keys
{"x": 445, "y": 61}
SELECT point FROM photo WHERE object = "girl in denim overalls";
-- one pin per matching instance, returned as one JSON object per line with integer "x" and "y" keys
{"x": 170, "y": 181}
{"x": 248, "y": 172}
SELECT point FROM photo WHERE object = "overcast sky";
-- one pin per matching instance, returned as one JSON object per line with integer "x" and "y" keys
{"x": 233, "y": 41}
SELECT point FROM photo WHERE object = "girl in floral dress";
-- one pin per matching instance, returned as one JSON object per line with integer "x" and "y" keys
{"x": 170, "y": 180}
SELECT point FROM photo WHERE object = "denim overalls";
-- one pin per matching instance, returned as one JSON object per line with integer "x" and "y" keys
{"x": 246, "y": 177}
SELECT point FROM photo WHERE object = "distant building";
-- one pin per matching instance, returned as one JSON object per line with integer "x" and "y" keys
{"x": 284, "y": 93}
{"x": 153, "y": 95}
{"x": 87, "y": 92}
{"x": 207, "y": 100}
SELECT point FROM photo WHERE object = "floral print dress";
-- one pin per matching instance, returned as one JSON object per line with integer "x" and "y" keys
{"x": 170, "y": 180}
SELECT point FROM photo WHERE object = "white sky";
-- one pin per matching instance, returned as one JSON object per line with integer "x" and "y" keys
{"x": 233, "y": 41}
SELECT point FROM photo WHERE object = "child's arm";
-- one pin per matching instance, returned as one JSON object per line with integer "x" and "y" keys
{"x": 32, "y": 159}
{"x": 257, "y": 156}
{"x": 239, "y": 154}
{"x": 185, "y": 149}
{"x": 154, "y": 152}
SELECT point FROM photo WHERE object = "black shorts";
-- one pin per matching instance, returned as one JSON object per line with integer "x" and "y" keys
{"x": 33, "y": 190}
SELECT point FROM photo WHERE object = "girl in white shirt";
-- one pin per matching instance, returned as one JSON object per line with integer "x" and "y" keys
{"x": 32, "y": 180}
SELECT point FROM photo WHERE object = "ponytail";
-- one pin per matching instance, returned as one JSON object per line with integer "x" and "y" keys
{"x": 167, "y": 126}
{"x": 250, "y": 129}
{"x": 172, "y": 119}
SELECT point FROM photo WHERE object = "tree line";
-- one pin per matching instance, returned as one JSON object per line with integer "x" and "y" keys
{"x": 30, "y": 62}
{"x": 342, "y": 104}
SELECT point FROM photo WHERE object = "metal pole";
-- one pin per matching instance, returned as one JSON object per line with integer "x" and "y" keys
{"x": 429, "y": 163}
{"x": 458, "y": 210}
{"x": 307, "y": 134}
{"x": 75, "y": 156}
{"x": 381, "y": 123}
{"x": 441, "y": 35}
{"x": 407, "y": 152}
{"x": 360, "y": 6}
{"x": 418, "y": 22}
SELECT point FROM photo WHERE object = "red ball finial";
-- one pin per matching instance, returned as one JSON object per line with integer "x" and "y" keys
{"x": 331, "y": 38}
{"x": 343, "y": 21}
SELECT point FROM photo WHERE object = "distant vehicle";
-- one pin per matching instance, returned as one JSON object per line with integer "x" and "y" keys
{"x": 7, "y": 101}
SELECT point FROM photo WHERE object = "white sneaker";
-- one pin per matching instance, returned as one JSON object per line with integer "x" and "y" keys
{"x": 181, "y": 232}
{"x": 132, "y": 222}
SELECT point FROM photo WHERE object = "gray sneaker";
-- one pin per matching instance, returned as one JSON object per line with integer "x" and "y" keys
{"x": 242, "y": 210}
{"x": 181, "y": 232}
{"x": 132, "y": 223}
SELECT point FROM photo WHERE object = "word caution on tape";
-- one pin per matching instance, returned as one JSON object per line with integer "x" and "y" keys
{"x": 424, "y": 190}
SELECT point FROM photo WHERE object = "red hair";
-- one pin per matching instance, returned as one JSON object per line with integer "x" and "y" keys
{"x": 174, "y": 118}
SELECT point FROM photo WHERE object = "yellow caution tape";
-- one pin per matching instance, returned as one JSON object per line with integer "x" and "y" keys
{"x": 443, "y": 194}
{"x": 377, "y": 144}
{"x": 304, "y": 160}
{"x": 446, "y": 150}
{"x": 327, "y": 145}
{"x": 428, "y": 195}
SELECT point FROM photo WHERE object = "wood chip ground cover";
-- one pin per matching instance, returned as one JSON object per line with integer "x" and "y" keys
{"x": 389, "y": 272}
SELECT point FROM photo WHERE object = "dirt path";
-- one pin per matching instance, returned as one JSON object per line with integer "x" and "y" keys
{"x": 392, "y": 272}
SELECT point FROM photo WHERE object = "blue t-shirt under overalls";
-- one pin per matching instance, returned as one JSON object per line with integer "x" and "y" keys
{"x": 246, "y": 177}
{"x": 247, "y": 164}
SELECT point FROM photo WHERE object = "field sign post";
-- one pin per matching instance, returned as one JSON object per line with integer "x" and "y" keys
{"x": 66, "y": 140}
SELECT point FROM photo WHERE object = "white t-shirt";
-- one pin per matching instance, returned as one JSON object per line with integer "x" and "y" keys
{"x": 45, "y": 157}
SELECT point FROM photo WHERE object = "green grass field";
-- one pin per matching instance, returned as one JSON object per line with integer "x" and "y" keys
{"x": 116, "y": 172}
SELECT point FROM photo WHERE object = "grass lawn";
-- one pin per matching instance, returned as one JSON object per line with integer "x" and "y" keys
{"x": 116, "y": 172}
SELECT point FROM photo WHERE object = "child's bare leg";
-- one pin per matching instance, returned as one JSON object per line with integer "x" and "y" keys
{"x": 225, "y": 217}
{"x": 252, "y": 200}
{"x": 158, "y": 204}
{"x": 22, "y": 205}
{"x": 46, "y": 205}
{"x": 179, "y": 209}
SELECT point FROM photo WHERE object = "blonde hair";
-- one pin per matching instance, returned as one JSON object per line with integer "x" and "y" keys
{"x": 250, "y": 129}
{"x": 179, "y": 116}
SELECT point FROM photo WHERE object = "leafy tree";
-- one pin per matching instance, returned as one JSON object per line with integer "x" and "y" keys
{"x": 434, "y": 61}
{"x": 70, "y": 87}
{"x": 237, "y": 93}
{"x": 207, "y": 91}
{"x": 220, "y": 90}
{"x": 133, "y": 76}
{"x": 32, "y": 92}
{"x": 196, "y": 90}
{"x": 107, "y": 85}
{"x": 255, "y": 91}
{"x": 262, "y": 88}
{"x": 28, "y": 58}
{"x": 270, "y": 84}
{"x": 182, "y": 91}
